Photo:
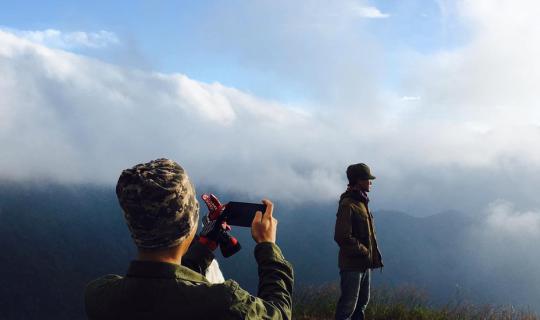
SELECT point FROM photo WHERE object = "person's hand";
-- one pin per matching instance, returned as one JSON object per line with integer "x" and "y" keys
{"x": 209, "y": 233}
{"x": 264, "y": 227}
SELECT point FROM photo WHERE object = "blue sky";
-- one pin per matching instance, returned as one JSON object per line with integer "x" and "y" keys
{"x": 167, "y": 36}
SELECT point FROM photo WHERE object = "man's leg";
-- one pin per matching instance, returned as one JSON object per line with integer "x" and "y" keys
{"x": 363, "y": 296}
{"x": 350, "y": 290}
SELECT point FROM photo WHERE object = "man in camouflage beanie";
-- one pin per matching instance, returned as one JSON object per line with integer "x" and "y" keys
{"x": 166, "y": 280}
{"x": 159, "y": 203}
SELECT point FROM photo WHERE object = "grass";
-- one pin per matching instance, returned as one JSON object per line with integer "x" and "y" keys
{"x": 399, "y": 303}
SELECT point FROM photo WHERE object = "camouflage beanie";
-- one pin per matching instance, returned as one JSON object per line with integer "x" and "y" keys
{"x": 159, "y": 203}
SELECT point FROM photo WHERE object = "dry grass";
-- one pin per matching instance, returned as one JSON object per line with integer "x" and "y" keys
{"x": 399, "y": 303}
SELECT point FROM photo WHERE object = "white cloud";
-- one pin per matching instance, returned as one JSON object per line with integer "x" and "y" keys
{"x": 483, "y": 91}
{"x": 477, "y": 115}
{"x": 410, "y": 98}
{"x": 473, "y": 133}
{"x": 68, "y": 40}
{"x": 502, "y": 243}
{"x": 504, "y": 238}
{"x": 369, "y": 12}
{"x": 73, "y": 119}
{"x": 507, "y": 223}
{"x": 318, "y": 47}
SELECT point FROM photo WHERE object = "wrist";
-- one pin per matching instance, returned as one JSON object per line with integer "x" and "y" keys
{"x": 265, "y": 251}
{"x": 265, "y": 241}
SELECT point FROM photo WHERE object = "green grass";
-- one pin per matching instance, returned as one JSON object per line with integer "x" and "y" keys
{"x": 399, "y": 303}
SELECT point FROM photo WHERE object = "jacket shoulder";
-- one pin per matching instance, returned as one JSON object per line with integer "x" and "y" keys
{"x": 345, "y": 202}
{"x": 349, "y": 203}
{"x": 102, "y": 283}
{"x": 97, "y": 292}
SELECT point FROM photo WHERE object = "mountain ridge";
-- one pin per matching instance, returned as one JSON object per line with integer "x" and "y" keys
{"x": 59, "y": 237}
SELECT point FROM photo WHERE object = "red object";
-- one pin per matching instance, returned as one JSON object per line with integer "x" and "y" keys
{"x": 215, "y": 208}
{"x": 229, "y": 245}
{"x": 211, "y": 244}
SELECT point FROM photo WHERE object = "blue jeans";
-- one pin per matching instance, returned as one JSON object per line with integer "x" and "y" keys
{"x": 354, "y": 295}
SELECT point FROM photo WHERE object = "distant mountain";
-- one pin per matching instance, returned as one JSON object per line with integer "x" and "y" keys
{"x": 56, "y": 238}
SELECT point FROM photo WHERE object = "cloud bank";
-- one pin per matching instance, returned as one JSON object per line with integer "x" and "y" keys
{"x": 502, "y": 245}
{"x": 73, "y": 119}
{"x": 470, "y": 139}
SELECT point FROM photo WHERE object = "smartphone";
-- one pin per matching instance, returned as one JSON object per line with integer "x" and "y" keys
{"x": 241, "y": 213}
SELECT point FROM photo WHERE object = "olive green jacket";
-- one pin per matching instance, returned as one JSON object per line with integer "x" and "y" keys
{"x": 355, "y": 234}
{"x": 156, "y": 290}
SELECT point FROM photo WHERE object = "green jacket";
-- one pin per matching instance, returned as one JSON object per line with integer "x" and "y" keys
{"x": 156, "y": 290}
{"x": 355, "y": 234}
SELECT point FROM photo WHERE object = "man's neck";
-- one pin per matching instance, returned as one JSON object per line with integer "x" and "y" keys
{"x": 357, "y": 193}
{"x": 356, "y": 189}
{"x": 167, "y": 255}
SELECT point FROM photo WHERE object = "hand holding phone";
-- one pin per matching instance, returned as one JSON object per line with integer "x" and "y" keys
{"x": 241, "y": 213}
{"x": 264, "y": 226}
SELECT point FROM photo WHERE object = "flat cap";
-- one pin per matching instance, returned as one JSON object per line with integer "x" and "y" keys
{"x": 359, "y": 171}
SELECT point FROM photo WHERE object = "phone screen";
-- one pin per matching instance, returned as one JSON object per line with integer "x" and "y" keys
{"x": 241, "y": 213}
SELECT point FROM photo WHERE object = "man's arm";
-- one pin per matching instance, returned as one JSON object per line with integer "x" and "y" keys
{"x": 275, "y": 278}
{"x": 343, "y": 232}
{"x": 275, "y": 273}
{"x": 198, "y": 257}
{"x": 274, "y": 300}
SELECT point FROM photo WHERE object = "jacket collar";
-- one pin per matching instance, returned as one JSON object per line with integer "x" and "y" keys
{"x": 164, "y": 270}
{"x": 356, "y": 195}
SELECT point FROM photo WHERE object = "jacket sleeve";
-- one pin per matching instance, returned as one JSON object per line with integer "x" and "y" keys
{"x": 343, "y": 232}
{"x": 274, "y": 298}
{"x": 198, "y": 257}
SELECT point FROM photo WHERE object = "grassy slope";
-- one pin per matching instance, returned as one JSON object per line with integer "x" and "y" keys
{"x": 400, "y": 303}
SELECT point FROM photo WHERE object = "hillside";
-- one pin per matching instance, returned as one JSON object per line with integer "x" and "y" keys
{"x": 56, "y": 238}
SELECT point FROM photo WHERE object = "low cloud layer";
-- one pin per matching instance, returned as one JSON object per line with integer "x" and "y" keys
{"x": 508, "y": 223}
{"x": 73, "y": 119}
{"x": 502, "y": 246}
{"x": 505, "y": 235}
{"x": 461, "y": 129}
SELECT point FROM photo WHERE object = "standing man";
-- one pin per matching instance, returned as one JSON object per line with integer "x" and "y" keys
{"x": 358, "y": 250}
{"x": 165, "y": 280}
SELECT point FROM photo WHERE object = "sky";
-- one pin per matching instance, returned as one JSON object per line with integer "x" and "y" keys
{"x": 275, "y": 98}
